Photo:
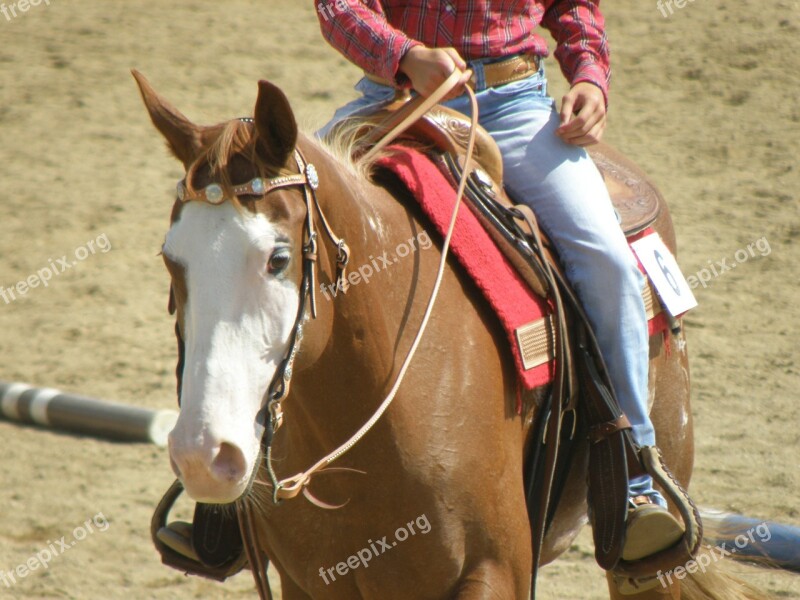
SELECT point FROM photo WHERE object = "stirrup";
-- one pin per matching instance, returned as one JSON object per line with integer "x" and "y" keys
{"x": 628, "y": 586}
{"x": 178, "y": 536}
{"x": 685, "y": 546}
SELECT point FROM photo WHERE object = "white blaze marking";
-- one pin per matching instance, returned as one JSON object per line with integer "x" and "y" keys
{"x": 237, "y": 322}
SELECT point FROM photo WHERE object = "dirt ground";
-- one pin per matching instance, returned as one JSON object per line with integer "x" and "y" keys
{"x": 705, "y": 99}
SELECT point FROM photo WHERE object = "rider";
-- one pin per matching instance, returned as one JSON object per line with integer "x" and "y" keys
{"x": 418, "y": 44}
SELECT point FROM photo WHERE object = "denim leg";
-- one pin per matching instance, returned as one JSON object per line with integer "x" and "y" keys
{"x": 561, "y": 184}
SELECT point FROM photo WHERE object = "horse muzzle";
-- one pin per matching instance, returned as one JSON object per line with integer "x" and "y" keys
{"x": 212, "y": 469}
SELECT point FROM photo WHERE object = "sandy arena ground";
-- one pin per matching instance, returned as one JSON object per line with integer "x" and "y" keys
{"x": 704, "y": 99}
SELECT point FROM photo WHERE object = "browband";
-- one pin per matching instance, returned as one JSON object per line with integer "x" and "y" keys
{"x": 213, "y": 193}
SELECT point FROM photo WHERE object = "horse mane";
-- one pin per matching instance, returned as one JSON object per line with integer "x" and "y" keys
{"x": 346, "y": 142}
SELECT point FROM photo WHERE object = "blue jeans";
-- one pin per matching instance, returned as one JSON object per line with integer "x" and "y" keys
{"x": 566, "y": 192}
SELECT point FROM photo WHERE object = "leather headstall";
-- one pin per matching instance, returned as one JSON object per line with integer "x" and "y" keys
{"x": 308, "y": 178}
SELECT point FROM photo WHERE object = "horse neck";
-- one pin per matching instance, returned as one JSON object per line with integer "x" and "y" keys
{"x": 335, "y": 391}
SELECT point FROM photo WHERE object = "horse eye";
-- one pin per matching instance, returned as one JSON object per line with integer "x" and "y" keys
{"x": 278, "y": 261}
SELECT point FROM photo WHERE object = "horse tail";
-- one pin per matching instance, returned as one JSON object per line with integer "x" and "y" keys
{"x": 721, "y": 579}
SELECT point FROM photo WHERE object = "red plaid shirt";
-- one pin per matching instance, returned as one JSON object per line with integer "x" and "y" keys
{"x": 376, "y": 34}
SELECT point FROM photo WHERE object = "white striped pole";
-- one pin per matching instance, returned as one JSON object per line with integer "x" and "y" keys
{"x": 53, "y": 408}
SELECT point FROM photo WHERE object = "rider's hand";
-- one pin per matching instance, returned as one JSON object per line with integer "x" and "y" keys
{"x": 583, "y": 115}
{"x": 428, "y": 68}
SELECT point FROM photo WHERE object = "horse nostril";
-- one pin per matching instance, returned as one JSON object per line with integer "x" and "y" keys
{"x": 175, "y": 468}
{"x": 229, "y": 464}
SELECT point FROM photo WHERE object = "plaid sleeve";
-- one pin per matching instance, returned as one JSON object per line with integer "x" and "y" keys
{"x": 359, "y": 30}
{"x": 578, "y": 28}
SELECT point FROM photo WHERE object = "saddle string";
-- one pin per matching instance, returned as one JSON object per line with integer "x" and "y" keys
{"x": 290, "y": 487}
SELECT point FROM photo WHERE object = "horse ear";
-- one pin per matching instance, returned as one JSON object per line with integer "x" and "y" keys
{"x": 275, "y": 125}
{"x": 184, "y": 138}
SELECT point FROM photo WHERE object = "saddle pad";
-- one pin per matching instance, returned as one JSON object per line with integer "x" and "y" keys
{"x": 514, "y": 303}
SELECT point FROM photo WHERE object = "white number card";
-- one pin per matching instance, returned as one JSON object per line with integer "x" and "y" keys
{"x": 664, "y": 273}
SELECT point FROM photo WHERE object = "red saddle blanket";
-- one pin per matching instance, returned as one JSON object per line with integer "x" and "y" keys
{"x": 507, "y": 293}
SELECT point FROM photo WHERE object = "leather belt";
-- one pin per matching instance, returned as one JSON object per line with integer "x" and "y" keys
{"x": 509, "y": 70}
{"x": 495, "y": 74}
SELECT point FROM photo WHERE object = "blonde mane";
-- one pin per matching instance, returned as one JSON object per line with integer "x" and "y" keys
{"x": 346, "y": 142}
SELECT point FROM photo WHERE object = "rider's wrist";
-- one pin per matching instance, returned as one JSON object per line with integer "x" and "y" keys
{"x": 403, "y": 77}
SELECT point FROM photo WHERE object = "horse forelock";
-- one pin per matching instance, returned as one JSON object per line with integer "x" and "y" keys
{"x": 226, "y": 141}
{"x": 237, "y": 139}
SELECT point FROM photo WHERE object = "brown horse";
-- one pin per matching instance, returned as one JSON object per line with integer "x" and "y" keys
{"x": 437, "y": 510}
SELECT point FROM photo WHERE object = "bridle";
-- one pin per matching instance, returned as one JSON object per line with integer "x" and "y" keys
{"x": 290, "y": 487}
{"x": 308, "y": 179}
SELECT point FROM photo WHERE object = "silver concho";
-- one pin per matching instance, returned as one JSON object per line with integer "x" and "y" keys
{"x": 257, "y": 185}
{"x": 214, "y": 193}
{"x": 313, "y": 177}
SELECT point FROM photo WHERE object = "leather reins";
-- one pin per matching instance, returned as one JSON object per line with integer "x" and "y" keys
{"x": 290, "y": 487}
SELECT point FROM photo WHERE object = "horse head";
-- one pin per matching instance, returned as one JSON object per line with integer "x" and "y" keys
{"x": 235, "y": 254}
